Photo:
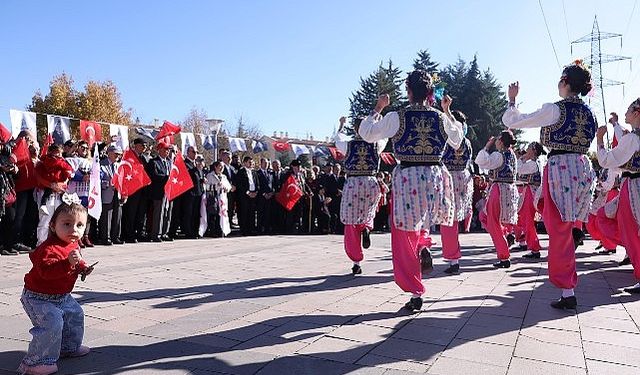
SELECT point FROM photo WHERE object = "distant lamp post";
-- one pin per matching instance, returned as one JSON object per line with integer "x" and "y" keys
{"x": 214, "y": 126}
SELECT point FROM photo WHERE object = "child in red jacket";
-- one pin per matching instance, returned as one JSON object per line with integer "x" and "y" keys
{"x": 52, "y": 169}
{"x": 46, "y": 297}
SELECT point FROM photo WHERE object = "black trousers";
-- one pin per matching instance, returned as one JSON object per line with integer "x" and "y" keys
{"x": 26, "y": 219}
{"x": 110, "y": 220}
{"x": 247, "y": 215}
{"x": 191, "y": 214}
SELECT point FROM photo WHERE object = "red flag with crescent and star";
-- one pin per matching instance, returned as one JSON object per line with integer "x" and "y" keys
{"x": 90, "y": 132}
{"x": 179, "y": 179}
{"x": 130, "y": 176}
{"x": 289, "y": 193}
{"x": 167, "y": 131}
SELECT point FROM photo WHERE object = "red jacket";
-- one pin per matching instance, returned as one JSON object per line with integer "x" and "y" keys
{"x": 51, "y": 272}
{"x": 26, "y": 178}
{"x": 51, "y": 170}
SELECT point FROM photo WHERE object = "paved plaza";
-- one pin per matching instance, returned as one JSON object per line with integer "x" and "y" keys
{"x": 289, "y": 305}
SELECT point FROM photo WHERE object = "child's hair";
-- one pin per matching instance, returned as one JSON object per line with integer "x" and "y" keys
{"x": 71, "y": 209}
{"x": 507, "y": 138}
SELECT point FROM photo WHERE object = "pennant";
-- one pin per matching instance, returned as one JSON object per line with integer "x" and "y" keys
{"x": 289, "y": 193}
{"x": 90, "y": 132}
{"x": 299, "y": 149}
{"x": 47, "y": 142}
{"x": 94, "y": 205}
{"x": 21, "y": 120}
{"x": 168, "y": 130}
{"x": 388, "y": 158}
{"x": 259, "y": 146}
{"x": 335, "y": 153}
{"x": 5, "y": 134}
{"x": 237, "y": 144}
{"x": 20, "y": 154}
{"x": 281, "y": 146}
{"x": 59, "y": 128}
{"x": 187, "y": 140}
{"x": 130, "y": 176}
{"x": 119, "y": 135}
{"x": 146, "y": 132}
{"x": 179, "y": 179}
{"x": 321, "y": 151}
{"x": 209, "y": 142}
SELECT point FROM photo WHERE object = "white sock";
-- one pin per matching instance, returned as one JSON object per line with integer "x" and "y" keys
{"x": 523, "y": 244}
{"x": 567, "y": 293}
{"x": 636, "y": 286}
{"x": 356, "y": 263}
{"x": 413, "y": 295}
{"x": 453, "y": 262}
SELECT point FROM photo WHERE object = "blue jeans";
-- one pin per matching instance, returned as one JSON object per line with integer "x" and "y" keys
{"x": 58, "y": 326}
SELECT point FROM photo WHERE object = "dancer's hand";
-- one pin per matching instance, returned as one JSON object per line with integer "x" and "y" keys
{"x": 446, "y": 103}
{"x": 601, "y": 132}
{"x": 490, "y": 143}
{"x": 383, "y": 101}
{"x": 512, "y": 92}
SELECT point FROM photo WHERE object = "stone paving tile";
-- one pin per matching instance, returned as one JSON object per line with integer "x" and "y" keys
{"x": 335, "y": 349}
{"x": 455, "y": 366}
{"x": 554, "y": 336}
{"x": 491, "y": 354}
{"x": 605, "y": 368}
{"x": 296, "y": 330}
{"x": 523, "y": 366}
{"x": 277, "y": 346}
{"x": 313, "y": 366}
{"x": 393, "y": 364}
{"x": 603, "y": 336}
{"x": 408, "y": 350}
{"x": 239, "y": 330}
{"x": 547, "y": 352}
{"x": 431, "y": 335}
{"x": 362, "y": 333}
{"x": 610, "y": 353}
{"x": 623, "y": 325}
{"x": 472, "y": 332}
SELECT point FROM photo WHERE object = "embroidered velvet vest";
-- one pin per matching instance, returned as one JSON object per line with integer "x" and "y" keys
{"x": 457, "y": 160}
{"x": 362, "y": 158}
{"x": 574, "y": 130}
{"x": 633, "y": 165}
{"x": 507, "y": 171}
{"x": 420, "y": 137}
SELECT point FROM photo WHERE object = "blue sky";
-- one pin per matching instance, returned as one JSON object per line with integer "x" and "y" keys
{"x": 291, "y": 65}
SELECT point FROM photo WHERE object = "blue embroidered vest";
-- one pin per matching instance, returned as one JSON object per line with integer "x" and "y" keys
{"x": 362, "y": 158}
{"x": 633, "y": 165}
{"x": 534, "y": 179}
{"x": 507, "y": 171}
{"x": 457, "y": 160}
{"x": 574, "y": 130}
{"x": 420, "y": 137}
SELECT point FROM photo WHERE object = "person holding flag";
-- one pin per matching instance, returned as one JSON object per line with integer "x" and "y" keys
{"x": 422, "y": 193}
{"x": 159, "y": 170}
{"x": 112, "y": 199}
{"x": 26, "y": 219}
{"x": 361, "y": 191}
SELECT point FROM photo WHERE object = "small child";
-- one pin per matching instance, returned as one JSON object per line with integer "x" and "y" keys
{"x": 51, "y": 169}
{"x": 58, "y": 320}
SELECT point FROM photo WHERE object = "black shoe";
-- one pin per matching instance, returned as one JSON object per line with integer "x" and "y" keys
{"x": 565, "y": 303}
{"x": 9, "y": 252}
{"x": 625, "y": 262}
{"x": 131, "y": 240}
{"x": 599, "y": 246}
{"x": 502, "y": 264}
{"x": 414, "y": 304}
{"x": 117, "y": 242}
{"x": 633, "y": 290}
{"x": 426, "y": 263}
{"x": 453, "y": 268}
{"x": 511, "y": 239}
{"x": 520, "y": 248}
{"x": 22, "y": 248}
{"x": 578, "y": 237}
{"x": 156, "y": 239}
{"x": 606, "y": 252}
{"x": 532, "y": 255}
{"x": 356, "y": 269}
{"x": 167, "y": 238}
{"x": 106, "y": 243}
{"x": 366, "y": 239}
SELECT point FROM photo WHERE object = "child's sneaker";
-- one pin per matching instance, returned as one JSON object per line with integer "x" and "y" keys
{"x": 82, "y": 351}
{"x": 38, "y": 370}
{"x": 44, "y": 210}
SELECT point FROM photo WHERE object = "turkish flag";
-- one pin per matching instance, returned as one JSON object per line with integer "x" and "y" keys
{"x": 281, "y": 146}
{"x": 91, "y": 132}
{"x": 48, "y": 142}
{"x": 289, "y": 193}
{"x": 130, "y": 176}
{"x": 5, "y": 134}
{"x": 336, "y": 153}
{"x": 168, "y": 130}
{"x": 179, "y": 179}
{"x": 20, "y": 154}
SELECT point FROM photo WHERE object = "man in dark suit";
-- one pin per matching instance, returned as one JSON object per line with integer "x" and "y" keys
{"x": 159, "y": 169}
{"x": 277, "y": 211}
{"x": 109, "y": 223}
{"x": 247, "y": 187}
{"x": 192, "y": 197}
{"x": 133, "y": 212}
{"x": 266, "y": 197}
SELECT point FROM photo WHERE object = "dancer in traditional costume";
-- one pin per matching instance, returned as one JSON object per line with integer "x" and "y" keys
{"x": 529, "y": 179}
{"x": 502, "y": 201}
{"x": 458, "y": 163}
{"x": 422, "y": 191}
{"x": 602, "y": 228}
{"x": 567, "y": 129}
{"x": 626, "y": 156}
{"x": 361, "y": 191}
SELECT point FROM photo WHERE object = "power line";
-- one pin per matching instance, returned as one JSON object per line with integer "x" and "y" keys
{"x": 549, "y": 33}
{"x": 566, "y": 24}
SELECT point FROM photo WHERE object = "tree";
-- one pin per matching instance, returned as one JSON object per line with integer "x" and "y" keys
{"x": 244, "y": 129}
{"x": 100, "y": 101}
{"x": 424, "y": 62}
{"x": 385, "y": 80}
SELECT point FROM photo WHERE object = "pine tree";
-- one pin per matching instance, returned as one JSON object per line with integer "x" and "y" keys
{"x": 424, "y": 62}
{"x": 385, "y": 80}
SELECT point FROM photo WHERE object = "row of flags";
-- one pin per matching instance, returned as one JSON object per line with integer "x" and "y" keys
{"x": 59, "y": 128}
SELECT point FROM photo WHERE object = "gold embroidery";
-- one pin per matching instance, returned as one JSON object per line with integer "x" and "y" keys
{"x": 578, "y": 142}
{"x": 423, "y": 150}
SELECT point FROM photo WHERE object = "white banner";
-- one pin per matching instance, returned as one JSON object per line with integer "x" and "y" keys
{"x": 119, "y": 135}
{"x": 237, "y": 144}
{"x": 187, "y": 139}
{"x": 60, "y": 128}
{"x": 299, "y": 149}
{"x": 21, "y": 120}
{"x": 208, "y": 141}
{"x": 95, "y": 193}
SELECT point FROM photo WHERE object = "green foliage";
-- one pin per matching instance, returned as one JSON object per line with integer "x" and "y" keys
{"x": 424, "y": 62}
{"x": 385, "y": 80}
